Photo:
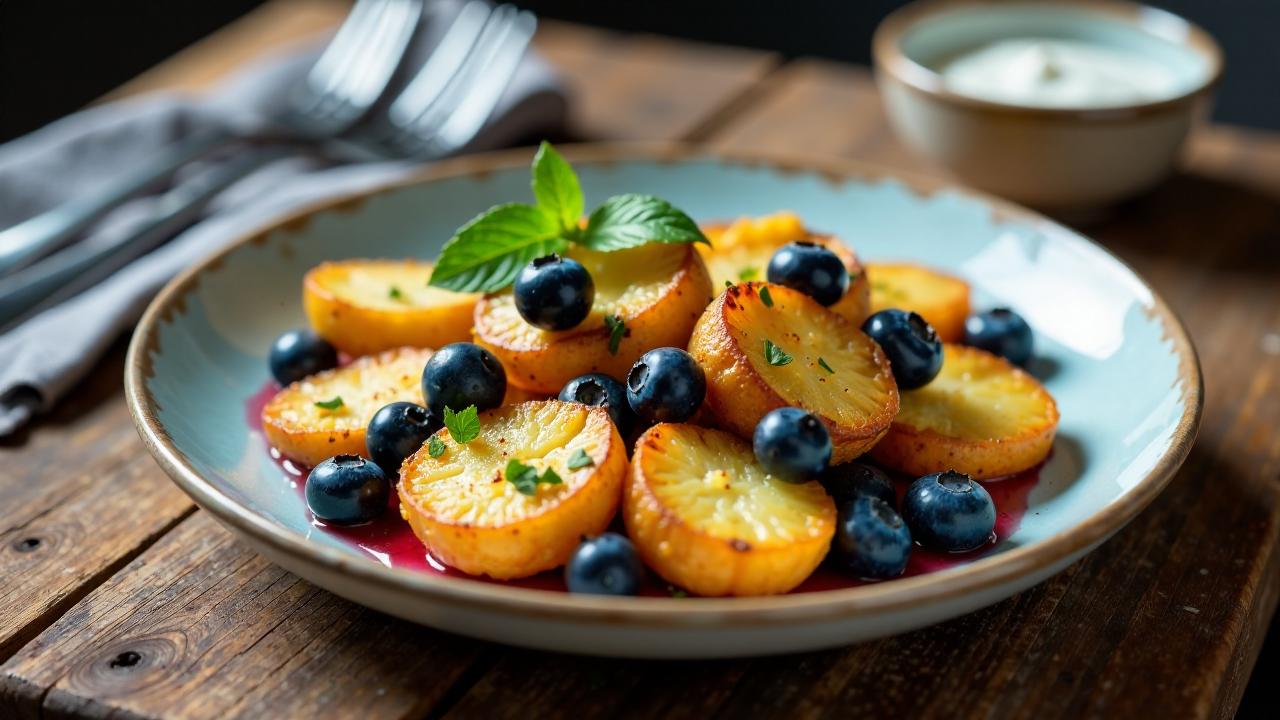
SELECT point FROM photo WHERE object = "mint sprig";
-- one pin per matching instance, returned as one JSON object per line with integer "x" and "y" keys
{"x": 487, "y": 253}
{"x": 435, "y": 447}
{"x": 463, "y": 426}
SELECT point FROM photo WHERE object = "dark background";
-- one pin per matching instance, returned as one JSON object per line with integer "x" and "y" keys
{"x": 58, "y": 55}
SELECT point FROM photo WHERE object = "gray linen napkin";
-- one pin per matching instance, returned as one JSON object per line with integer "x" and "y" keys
{"x": 45, "y": 353}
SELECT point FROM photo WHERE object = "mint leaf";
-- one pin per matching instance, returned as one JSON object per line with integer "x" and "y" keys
{"x": 823, "y": 364}
{"x": 617, "y": 331}
{"x": 580, "y": 459}
{"x": 728, "y": 283}
{"x": 487, "y": 253}
{"x": 435, "y": 447}
{"x": 748, "y": 273}
{"x": 775, "y": 355}
{"x": 395, "y": 294}
{"x": 333, "y": 404}
{"x": 556, "y": 187}
{"x": 628, "y": 221}
{"x": 526, "y": 478}
{"x": 765, "y": 297}
{"x": 463, "y": 426}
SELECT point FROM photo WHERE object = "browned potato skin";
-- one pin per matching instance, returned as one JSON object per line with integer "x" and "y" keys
{"x": 921, "y": 451}
{"x": 666, "y": 323}
{"x": 703, "y": 564}
{"x": 738, "y": 397}
{"x": 530, "y": 545}
{"x": 364, "y": 330}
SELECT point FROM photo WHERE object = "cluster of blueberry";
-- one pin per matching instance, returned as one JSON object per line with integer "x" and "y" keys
{"x": 944, "y": 511}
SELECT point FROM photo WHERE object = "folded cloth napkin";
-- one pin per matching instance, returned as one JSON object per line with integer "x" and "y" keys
{"x": 45, "y": 353}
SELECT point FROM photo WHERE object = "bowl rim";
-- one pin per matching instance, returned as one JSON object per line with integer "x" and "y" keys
{"x": 900, "y": 595}
{"x": 891, "y": 61}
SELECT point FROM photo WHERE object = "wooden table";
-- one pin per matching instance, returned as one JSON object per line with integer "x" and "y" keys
{"x": 122, "y": 599}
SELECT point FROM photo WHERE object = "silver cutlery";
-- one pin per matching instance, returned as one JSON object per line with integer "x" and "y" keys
{"x": 349, "y": 77}
{"x": 441, "y": 109}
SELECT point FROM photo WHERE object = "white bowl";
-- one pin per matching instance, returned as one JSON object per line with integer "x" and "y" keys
{"x": 1056, "y": 159}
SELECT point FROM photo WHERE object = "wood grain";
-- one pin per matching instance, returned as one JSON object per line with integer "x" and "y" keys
{"x": 202, "y": 627}
{"x": 1164, "y": 620}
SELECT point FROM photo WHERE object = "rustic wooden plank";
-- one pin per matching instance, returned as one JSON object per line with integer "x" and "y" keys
{"x": 216, "y": 630}
{"x": 202, "y": 627}
{"x": 1164, "y": 620}
{"x": 78, "y": 499}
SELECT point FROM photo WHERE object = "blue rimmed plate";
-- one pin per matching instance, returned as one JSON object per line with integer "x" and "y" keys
{"x": 1118, "y": 362}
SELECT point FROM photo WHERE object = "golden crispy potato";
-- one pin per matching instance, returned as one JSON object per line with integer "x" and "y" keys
{"x": 470, "y": 517}
{"x": 855, "y": 395}
{"x": 707, "y": 517}
{"x": 367, "y": 306}
{"x": 981, "y": 416}
{"x": 657, "y": 290}
{"x": 740, "y": 251}
{"x": 308, "y": 433}
{"x": 941, "y": 299}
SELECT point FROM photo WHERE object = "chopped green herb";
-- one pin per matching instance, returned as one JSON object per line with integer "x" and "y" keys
{"x": 823, "y": 364}
{"x": 617, "y": 331}
{"x": 854, "y": 275}
{"x": 677, "y": 592}
{"x": 580, "y": 459}
{"x": 395, "y": 294}
{"x": 333, "y": 404}
{"x": 526, "y": 479}
{"x": 463, "y": 426}
{"x": 775, "y": 355}
{"x": 748, "y": 273}
{"x": 435, "y": 447}
{"x": 728, "y": 283}
{"x": 765, "y": 297}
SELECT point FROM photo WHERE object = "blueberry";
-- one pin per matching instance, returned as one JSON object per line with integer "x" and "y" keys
{"x": 604, "y": 565}
{"x": 299, "y": 353}
{"x": 792, "y": 444}
{"x": 600, "y": 390}
{"x": 871, "y": 539}
{"x": 910, "y": 343}
{"x": 554, "y": 293}
{"x": 1000, "y": 331}
{"x": 463, "y": 374}
{"x": 347, "y": 490}
{"x": 666, "y": 385}
{"x": 950, "y": 512}
{"x": 397, "y": 431}
{"x": 853, "y": 480}
{"x": 811, "y": 269}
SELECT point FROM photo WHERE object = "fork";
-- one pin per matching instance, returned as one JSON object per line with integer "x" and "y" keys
{"x": 442, "y": 108}
{"x": 349, "y": 77}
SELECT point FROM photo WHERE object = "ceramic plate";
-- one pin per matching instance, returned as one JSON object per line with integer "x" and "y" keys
{"x": 1119, "y": 363}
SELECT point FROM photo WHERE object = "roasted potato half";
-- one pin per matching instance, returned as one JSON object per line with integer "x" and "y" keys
{"x": 787, "y": 350}
{"x": 657, "y": 291}
{"x": 297, "y": 424}
{"x": 939, "y": 298}
{"x": 462, "y": 506}
{"x": 981, "y": 415}
{"x": 741, "y": 250}
{"x": 707, "y": 517}
{"x": 367, "y": 306}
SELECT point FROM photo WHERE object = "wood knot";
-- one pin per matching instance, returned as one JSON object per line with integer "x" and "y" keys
{"x": 26, "y": 545}
{"x": 130, "y": 664}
